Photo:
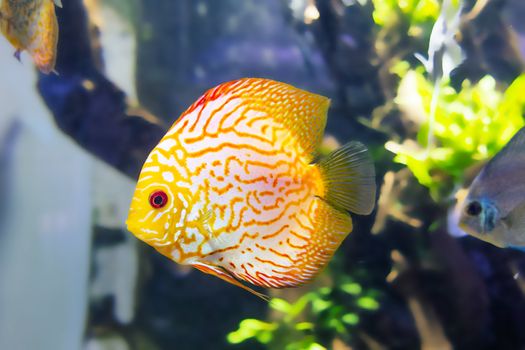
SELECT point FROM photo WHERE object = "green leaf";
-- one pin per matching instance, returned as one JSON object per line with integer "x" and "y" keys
{"x": 368, "y": 303}
{"x": 280, "y": 305}
{"x": 304, "y": 326}
{"x": 352, "y": 288}
{"x": 251, "y": 328}
{"x": 351, "y": 319}
{"x": 298, "y": 307}
{"x": 337, "y": 325}
{"x": 319, "y": 305}
{"x": 264, "y": 337}
{"x": 253, "y": 324}
{"x": 316, "y": 346}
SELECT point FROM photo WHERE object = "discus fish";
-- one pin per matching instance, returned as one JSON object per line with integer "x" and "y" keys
{"x": 232, "y": 189}
{"x": 494, "y": 210}
{"x": 32, "y": 25}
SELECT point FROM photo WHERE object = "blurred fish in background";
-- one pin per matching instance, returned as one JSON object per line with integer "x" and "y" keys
{"x": 494, "y": 209}
{"x": 31, "y": 25}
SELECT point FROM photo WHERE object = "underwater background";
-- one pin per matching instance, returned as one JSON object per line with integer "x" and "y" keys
{"x": 433, "y": 88}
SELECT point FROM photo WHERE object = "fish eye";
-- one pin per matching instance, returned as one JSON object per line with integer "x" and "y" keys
{"x": 158, "y": 199}
{"x": 473, "y": 208}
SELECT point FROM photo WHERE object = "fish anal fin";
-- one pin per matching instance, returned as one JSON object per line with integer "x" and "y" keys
{"x": 349, "y": 177}
{"x": 225, "y": 276}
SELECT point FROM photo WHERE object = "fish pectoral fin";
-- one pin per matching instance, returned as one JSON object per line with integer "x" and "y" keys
{"x": 515, "y": 219}
{"x": 506, "y": 222}
{"x": 226, "y": 276}
{"x": 204, "y": 220}
{"x": 203, "y": 224}
{"x": 349, "y": 177}
{"x": 17, "y": 54}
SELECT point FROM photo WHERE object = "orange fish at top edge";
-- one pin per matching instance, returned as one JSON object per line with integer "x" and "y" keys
{"x": 32, "y": 26}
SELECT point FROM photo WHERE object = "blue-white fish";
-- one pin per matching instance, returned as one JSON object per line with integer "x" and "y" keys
{"x": 494, "y": 210}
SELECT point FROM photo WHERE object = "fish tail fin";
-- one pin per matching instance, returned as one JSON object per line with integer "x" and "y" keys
{"x": 349, "y": 177}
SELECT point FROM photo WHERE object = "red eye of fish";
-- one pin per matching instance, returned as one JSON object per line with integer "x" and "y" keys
{"x": 158, "y": 199}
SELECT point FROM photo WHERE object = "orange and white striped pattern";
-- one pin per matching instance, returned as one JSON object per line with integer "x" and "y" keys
{"x": 244, "y": 198}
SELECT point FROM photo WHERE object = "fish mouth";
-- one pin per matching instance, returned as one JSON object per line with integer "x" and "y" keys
{"x": 157, "y": 235}
{"x": 465, "y": 227}
{"x": 133, "y": 223}
{"x": 133, "y": 227}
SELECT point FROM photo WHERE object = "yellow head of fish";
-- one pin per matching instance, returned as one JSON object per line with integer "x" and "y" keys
{"x": 155, "y": 207}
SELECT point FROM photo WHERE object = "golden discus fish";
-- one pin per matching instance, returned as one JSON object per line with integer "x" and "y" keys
{"x": 31, "y": 25}
{"x": 232, "y": 189}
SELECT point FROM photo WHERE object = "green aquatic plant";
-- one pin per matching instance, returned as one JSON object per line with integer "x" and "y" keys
{"x": 470, "y": 126}
{"x": 417, "y": 12}
{"x": 313, "y": 321}
{"x": 404, "y": 27}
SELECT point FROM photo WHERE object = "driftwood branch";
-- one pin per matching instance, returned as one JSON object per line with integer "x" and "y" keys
{"x": 88, "y": 107}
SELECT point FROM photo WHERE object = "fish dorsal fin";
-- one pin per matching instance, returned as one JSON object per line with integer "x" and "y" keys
{"x": 502, "y": 177}
{"x": 514, "y": 149}
{"x": 301, "y": 113}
